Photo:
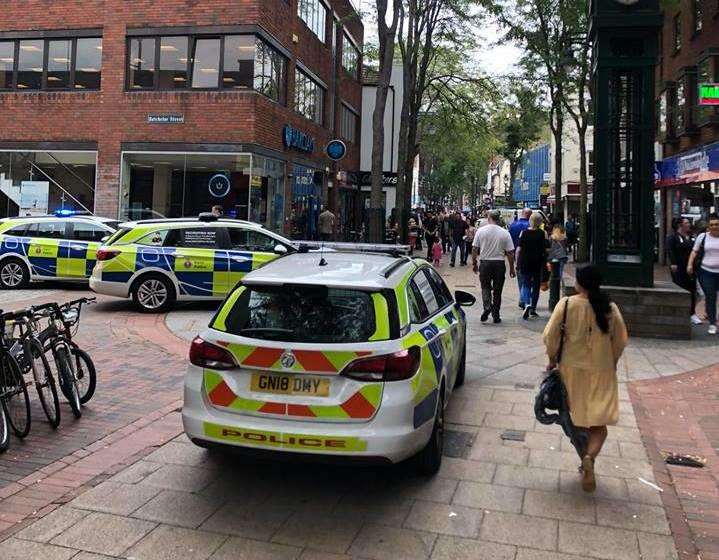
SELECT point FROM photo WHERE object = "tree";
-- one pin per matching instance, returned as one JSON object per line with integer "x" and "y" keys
{"x": 386, "y": 35}
{"x": 519, "y": 125}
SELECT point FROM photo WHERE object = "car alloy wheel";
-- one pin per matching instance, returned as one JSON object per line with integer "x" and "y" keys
{"x": 152, "y": 294}
{"x": 12, "y": 275}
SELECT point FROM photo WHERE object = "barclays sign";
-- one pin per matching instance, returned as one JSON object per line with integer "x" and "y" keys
{"x": 294, "y": 138}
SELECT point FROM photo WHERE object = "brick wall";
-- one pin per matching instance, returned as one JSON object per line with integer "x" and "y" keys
{"x": 113, "y": 115}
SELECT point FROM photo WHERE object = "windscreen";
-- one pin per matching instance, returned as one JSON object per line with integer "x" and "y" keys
{"x": 303, "y": 314}
{"x": 119, "y": 234}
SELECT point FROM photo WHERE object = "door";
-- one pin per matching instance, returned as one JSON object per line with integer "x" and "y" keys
{"x": 449, "y": 318}
{"x": 44, "y": 248}
{"x": 248, "y": 250}
{"x": 195, "y": 261}
{"x": 76, "y": 257}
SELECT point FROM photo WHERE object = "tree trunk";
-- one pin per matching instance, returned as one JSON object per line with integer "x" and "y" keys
{"x": 583, "y": 250}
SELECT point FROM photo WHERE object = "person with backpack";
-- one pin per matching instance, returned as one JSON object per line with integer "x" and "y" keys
{"x": 704, "y": 262}
{"x": 590, "y": 330}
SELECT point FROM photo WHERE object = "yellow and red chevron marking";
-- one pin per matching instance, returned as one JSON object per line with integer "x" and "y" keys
{"x": 360, "y": 406}
{"x": 305, "y": 360}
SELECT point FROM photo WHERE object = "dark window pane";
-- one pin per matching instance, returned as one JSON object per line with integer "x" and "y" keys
{"x": 239, "y": 61}
{"x": 198, "y": 238}
{"x": 59, "y": 56}
{"x": 88, "y": 232}
{"x": 206, "y": 63}
{"x": 173, "y": 63}
{"x": 309, "y": 97}
{"x": 348, "y": 124}
{"x": 142, "y": 63}
{"x": 7, "y": 62}
{"x": 88, "y": 63}
{"x": 350, "y": 56}
{"x": 248, "y": 240}
{"x": 48, "y": 230}
{"x": 270, "y": 72}
{"x": 30, "y": 64}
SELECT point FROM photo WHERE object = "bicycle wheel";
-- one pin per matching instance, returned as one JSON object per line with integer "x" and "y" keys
{"x": 4, "y": 431}
{"x": 85, "y": 373}
{"x": 14, "y": 397}
{"x": 66, "y": 376}
{"x": 44, "y": 382}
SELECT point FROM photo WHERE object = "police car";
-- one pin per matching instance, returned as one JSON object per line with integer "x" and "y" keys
{"x": 55, "y": 247}
{"x": 346, "y": 355}
{"x": 157, "y": 262}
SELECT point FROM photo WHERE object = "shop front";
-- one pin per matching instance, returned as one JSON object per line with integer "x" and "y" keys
{"x": 247, "y": 186}
{"x": 307, "y": 202}
{"x": 686, "y": 186}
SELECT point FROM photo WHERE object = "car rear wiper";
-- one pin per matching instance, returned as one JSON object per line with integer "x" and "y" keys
{"x": 259, "y": 330}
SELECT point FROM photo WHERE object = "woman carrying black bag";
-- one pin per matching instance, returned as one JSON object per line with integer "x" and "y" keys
{"x": 594, "y": 338}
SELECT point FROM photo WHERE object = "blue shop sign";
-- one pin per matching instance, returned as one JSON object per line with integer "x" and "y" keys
{"x": 695, "y": 166}
{"x": 295, "y": 138}
{"x": 304, "y": 182}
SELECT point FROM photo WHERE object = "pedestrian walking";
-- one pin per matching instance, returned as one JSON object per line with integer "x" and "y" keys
{"x": 430, "y": 232}
{"x": 413, "y": 232}
{"x": 531, "y": 261}
{"x": 491, "y": 245}
{"x": 326, "y": 224}
{"x": 444, "y": 231}
{"x": 458, "y": 230}
{"x": 559, "y": 247}
{"x": 515, "y": 230}
{"x": 436, "y": 252}
{"x": 704, "y": 261}
{"x": 592, "y": 334}
{"x": 468, "y": 238}
{"x": 679, "y": 248}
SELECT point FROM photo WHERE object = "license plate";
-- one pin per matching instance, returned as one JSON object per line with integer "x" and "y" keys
{"x": 290, "y": 385}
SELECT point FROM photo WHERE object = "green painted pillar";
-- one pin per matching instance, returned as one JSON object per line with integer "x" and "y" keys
{"x": 625, "y": 35}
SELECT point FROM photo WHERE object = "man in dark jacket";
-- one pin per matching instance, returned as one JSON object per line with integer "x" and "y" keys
{"x": 459, "y": 229}
{"x": 679, "y": 247}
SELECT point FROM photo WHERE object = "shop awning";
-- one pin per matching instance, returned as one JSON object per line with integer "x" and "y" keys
{"x": 695, "y": 166}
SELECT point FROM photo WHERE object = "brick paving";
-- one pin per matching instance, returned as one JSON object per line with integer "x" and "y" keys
{"x": 139, "y": 495}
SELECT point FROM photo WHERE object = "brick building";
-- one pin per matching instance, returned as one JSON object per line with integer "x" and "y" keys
{"x": 168, "y": 107}
{"x": 687, "y": 131}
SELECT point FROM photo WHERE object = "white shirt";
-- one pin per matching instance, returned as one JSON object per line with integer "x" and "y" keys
{"x": 710, "y": 262}
{"x": 493, "y": 242}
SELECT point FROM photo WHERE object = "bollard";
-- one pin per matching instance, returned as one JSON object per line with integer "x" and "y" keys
{"x": 555, "y": 283}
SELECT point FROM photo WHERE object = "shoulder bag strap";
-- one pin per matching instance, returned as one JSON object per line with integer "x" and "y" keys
{"x": 563, "y": 328}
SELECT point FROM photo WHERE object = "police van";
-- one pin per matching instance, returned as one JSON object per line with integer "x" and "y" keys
{"x": 157, "y": 262}
{"x": 61, "y": 246}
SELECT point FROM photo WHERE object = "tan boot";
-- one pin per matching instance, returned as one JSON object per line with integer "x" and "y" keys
{"x": 589, "y": 483}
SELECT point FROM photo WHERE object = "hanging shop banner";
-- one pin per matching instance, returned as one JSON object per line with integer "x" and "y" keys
{"x": 694, "y": 166}
{"x": 304, "y": 181}
{"x": 295, "y": 138}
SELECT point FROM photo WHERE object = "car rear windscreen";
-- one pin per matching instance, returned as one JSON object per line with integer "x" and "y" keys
{"x": 119, "y": 234}
{"x": 314, "y": 314}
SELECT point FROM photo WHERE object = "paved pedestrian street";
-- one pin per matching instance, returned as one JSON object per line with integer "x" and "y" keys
{"x": 124, "y": 481}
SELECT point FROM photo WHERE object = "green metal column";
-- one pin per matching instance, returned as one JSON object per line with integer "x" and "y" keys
{"x": 625, "y": 36}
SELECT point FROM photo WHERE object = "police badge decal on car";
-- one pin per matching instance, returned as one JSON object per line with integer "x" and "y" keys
{"x": 287, "y": 360}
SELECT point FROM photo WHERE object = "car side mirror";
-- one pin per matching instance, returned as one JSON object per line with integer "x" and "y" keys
{"x": 280, "y": 249}
{"x": 465, "y": 299}
{"x": 104, "y": 239}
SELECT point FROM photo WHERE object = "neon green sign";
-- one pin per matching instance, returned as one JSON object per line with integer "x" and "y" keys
{"x": 708, "y": 94}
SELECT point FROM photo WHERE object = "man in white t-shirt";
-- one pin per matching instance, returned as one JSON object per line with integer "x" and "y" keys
{"x": 492, "y": 244}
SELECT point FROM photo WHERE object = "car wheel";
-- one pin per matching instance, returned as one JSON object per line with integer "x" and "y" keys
{"x": 14, "y": 274}
{"x": 153, "y": 293}
{"x": 429, "y": 460}
{"x": 461, "y": 368}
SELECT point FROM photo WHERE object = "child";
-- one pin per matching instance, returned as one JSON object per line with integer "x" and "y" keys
{"x": 436, "y": 251}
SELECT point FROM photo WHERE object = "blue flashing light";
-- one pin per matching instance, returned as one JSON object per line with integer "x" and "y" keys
{"x": 64, "y": 212}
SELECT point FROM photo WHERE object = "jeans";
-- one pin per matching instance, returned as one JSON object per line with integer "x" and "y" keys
{"x": 462, "y": 252}
{"x": 491, "y": 278}
{"x": 531, "y": 282}
{"x": 710, "y": 285}
{"x": 520, "y": 284}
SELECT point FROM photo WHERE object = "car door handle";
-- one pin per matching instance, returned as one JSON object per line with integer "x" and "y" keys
{"x": 241, "y": 259}
{"x": 77, "y": 247}
{"x": 180, "y": 256}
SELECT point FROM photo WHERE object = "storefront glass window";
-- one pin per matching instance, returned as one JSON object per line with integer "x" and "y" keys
{"x": 306, "y": 202}
{"x": 173, "y": 62}
{"x": 40, "y": 182}
{"x": 206, "y": 63}
{"x": 267, "y": 192}
{"x": 141, "y": 71}
{"x": 30, "y": 63}
{"x": 58, "y": 64}
{"x": 88, "y": 63}
{"x": 239, "y": 62}
{"x": 7, "y": 63}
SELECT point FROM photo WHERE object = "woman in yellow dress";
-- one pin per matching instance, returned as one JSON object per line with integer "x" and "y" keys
{"x": 594, "y": 338}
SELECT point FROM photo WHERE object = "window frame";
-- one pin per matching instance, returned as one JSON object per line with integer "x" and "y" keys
{"x": 228, "y": 245}
{"x": 697, "y": 17}
{"x": 71, "y": 86}
{"x": 347, "y": 41}
{"x": 97, "y": 226}
{"x": 345, "y": 108}
{"x": 328, "y": 15}
{"x": 319, "y": 118}
{"x": 441, "y": 290}
{"x": 677, "y": 33}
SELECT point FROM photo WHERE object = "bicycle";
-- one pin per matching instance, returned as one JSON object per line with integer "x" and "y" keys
{"x": 29, "y": 354}
{"x": 14, "y": 399}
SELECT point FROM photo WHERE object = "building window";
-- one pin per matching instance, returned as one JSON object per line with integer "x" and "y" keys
{"x": 662, "y": 115}
{"x": 590, "y": 166}
{"x": 697, "y": 15}
{"x": 50, "y": 64}
{"x": 348, "y": 123}
{"x": 309, "y": 97}
{"x": 350, "y": 56}
{"x": 680, "y": 107}
{"x": 677, "y": 32}
{"x": 190, "y": 62}
{"x": 314, "y": 14}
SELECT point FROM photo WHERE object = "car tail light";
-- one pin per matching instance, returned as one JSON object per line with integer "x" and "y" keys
{"x": 106, "y": 254}
{"x": 389, "y": 367}
{"x": 204, "y": 354}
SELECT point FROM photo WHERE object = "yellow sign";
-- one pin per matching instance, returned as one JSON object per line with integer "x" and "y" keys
{"x": 256, "y": 181}
{"x": 290, "y": 385}
{"x": 304, "y": 442}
